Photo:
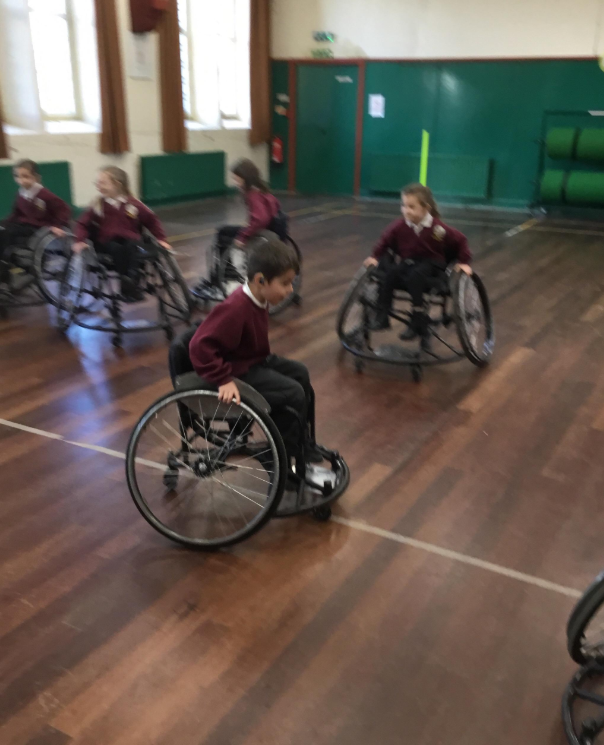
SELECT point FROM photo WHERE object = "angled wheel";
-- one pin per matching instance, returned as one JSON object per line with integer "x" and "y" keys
{"x": 70, "y": 290}
{"x": 51, "y": 255}
{"x": 358, "y": 310}
{"x": 226, "y": 469}
{"x": 173, "y": 290}
{"x": 473, "y": 318}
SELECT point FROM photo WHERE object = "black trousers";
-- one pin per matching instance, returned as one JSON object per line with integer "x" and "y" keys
{"x": 15, "y": 233}
{"x": 226, "y": 235}
{"x": 125, "y": 255}
{"x": 415, "y": 277}
{"x": 285, "y": 384}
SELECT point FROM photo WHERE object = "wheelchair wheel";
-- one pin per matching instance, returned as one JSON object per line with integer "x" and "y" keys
{"x": 358, "y": 310}
{"x": 173, "y": 290}
{"x": 585, "y": 628}
{"x": 51, "y": 255}
{"x": 71, "y": 290}
{"x": 294, "y": 298}
{"x": 204, "y": 473}
{"x": 473, "y": 318}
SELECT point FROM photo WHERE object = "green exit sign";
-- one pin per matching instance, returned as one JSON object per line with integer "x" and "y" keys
{"x": 324, "y": 36}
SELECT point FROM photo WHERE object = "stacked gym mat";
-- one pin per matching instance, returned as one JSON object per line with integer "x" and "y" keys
{"x": 576, "y": 187}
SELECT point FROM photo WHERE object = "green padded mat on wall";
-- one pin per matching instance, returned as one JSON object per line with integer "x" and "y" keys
{"x": 590, "y": 145}
{"x": 181, "y": 177}
{"x": 576, "y": 188}
{"x": 560, "y": 142}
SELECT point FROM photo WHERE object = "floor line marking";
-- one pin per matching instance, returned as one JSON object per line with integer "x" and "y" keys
{"x": 461, "y": 558}
{"x": 353, "y": 524}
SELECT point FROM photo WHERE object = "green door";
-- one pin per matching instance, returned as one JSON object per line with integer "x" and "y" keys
{"x": 326, "y": 128}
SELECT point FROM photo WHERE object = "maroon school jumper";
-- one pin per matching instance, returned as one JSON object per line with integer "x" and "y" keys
{"x": 233, "y": 338}
{"x": 439, "y": 242}
{"x": 262, "y": 208}
{"x": 126, "y": 221}
{"x": 45, "y": 210}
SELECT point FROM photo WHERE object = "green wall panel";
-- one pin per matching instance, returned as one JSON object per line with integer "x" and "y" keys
{"x": 326, "y": 128}
{"x": 488, "y": 110}
{"x": 181, "y": 177}
{"x": 55, "y": 176}
{"x": 279, "y": 172}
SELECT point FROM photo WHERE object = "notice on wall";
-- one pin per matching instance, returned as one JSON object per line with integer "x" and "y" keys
{"x": 141, "y": 57}
{"x": 377, "y": 105}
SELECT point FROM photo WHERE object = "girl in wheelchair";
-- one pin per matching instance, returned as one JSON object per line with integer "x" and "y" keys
{"x": 232, "y": 342}
{"x": 35, "y": 207}
{"x": 422, "y": 245}
{"x": 115, "y": 223}
{"x": 264, "y": 213}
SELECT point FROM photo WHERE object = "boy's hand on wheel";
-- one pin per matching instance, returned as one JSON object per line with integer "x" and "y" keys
{"x": 166, "y": 245}
{"x": 370, "y": 261}
{"x": 78, "y": 247}
{"x": 465, "y": 268}
{"x": 228, "y": 392}
{"x": 238, "y": 244}
{"x": 58, "y": 232}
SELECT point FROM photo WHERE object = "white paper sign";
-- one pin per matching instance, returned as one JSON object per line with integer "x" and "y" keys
{"x": 377, "y": 105}
{"x": 141, "y": 62}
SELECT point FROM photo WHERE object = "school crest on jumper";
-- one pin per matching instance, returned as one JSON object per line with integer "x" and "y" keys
{"x": 439, "y": 232}
{"x": 132, "y": 211}
{"x": 40, "y": 203}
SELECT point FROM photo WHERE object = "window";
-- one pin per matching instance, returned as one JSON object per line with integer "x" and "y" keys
{"x": 51, "y": 24}
{"x": 214, "y": 42}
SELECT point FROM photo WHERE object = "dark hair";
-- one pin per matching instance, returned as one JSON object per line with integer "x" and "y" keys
{"x": 270, "y": 257}
{"x": 248, "y": 171}
{"x": 424, "y": 196}
{"x": 28, "y": 165}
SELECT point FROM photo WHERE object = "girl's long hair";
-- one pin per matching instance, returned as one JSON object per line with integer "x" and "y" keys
{"x": 248, "y": 171}
{"x": 424, "y": 197}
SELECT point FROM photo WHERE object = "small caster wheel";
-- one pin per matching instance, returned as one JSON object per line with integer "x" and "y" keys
{"x": 116, "y": 341}
{"x": 417, "y": 373}
{"x": 170, "y": 479}
{"x": 359, "y": 365}
{"x": 322, "y": 514}
{"x": 297, "y": 300}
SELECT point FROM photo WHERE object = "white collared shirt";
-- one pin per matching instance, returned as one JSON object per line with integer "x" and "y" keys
{"x": 30, "y": 194}
{"x": 250, "y": 294}
{"x": 117, "y": 202}
{"x": 425, "y": 223}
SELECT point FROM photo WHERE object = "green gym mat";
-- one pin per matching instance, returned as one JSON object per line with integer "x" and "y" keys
{"x": 590, "y": 145}
{"x": 560, "y": 142}
{"x": 552, "y": 185}
{"x": 585, "y": 188}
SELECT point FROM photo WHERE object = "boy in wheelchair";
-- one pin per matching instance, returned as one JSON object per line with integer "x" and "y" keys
{"x": 423, "y": 246}
{"x": 115, "y": 223}
{"x": 232, "y": 342}
{"x": 35, "y": 207}
{"x": 264, "y": 213}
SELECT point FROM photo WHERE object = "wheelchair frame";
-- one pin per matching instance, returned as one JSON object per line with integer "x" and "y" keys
{"x": 204, "y": 464}
{"x": 101, "y": 277}
{"x": 222, "y": 271}
{"x": 358, "y": 342}
{"x": 31, "y": 260}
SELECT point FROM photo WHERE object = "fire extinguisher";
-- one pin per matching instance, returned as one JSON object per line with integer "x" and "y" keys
{"x": 277, "y": 150}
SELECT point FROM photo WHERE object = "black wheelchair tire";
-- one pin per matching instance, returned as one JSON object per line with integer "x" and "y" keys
{"x": 174, "y": 269}
{"x": 360, "y": 279}
{"x": 458, "y": 283}
{"x": 148, "y": 515}
{"x": 65, "y": 312}
{"x": 587, "y": 606}
{"x": 39, "y": 248}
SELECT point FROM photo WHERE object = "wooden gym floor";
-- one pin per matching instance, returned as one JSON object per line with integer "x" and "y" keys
{"x": 431, "y": 609}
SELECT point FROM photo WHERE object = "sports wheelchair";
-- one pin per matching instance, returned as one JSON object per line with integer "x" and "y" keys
{"x": 457, "y": 312}
{"x": 89, "y": 294}
{"x": 583, "y": 700}
{"x": 35, "y": 266}
{"x": 208, "y": 474}
{"x": 223, "y": 270}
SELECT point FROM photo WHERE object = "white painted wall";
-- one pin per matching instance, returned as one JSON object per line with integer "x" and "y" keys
{"x": 142, "y": 97}
{"x": 440, "y": 28}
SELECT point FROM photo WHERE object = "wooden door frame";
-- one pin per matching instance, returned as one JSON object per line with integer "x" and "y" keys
{"x": 293, "y": 116}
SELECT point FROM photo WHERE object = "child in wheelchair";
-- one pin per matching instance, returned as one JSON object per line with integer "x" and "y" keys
{"x": 232, "y": 342}
{"x": 264, "y": 213}
{"x": 115, "y": 223}
{"x": 35, "y": 207}
{"x": 422, "y": 245}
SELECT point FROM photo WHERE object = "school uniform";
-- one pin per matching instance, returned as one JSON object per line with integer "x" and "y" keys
{"x": 33, "y": 209}
{"x": 115, "y": 227}
{"x": 232, "y": 342}
{"x": 262, "y": 209}
{"x": 423, "y": 250}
